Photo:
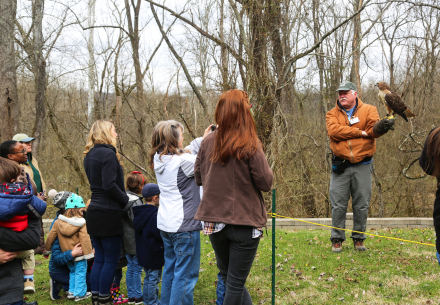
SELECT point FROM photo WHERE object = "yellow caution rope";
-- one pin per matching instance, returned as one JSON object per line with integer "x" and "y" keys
{"x": 348, "y": 230}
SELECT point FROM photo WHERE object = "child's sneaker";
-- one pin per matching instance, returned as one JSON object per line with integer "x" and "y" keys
{"x": 136, "y": 301}
{"x": 86, "y": 296}
{"x": 29, "y": 286}
{"x": 70, "y": 295}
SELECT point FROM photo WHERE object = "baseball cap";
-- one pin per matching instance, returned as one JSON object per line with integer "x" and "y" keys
{"x": 149, "y": 190}
{"x": 21, "y": 137}
{"x": 346, "y": 87}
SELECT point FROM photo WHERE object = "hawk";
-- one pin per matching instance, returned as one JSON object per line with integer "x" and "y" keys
{"x": 393, "y": 103}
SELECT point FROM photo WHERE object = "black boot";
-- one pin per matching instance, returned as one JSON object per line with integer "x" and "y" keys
{"x": 105, "y": 300}
{"x": 95, "y": 299}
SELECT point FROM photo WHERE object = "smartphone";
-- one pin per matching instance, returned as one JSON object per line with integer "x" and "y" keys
{"x": 213, "y": 127}
{"x": 42, "y": 193}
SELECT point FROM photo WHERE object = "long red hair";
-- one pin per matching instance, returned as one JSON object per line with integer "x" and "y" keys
{"x": 236, "y": 134}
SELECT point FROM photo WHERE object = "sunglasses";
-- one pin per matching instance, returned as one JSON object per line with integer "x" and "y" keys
{"x": 19, "y": 152}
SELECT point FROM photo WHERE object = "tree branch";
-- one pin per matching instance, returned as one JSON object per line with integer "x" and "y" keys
{"x": 292, "y": 60}
{"x": 179, "y": 59}
{"x": 204, "y": 33}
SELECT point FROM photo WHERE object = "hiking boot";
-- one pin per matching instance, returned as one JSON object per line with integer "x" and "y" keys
{"x": 54, "y": 290}
{"x": 337, "y": 245}
{"x": 29, "y": 286}
{"x": 359, "y": 244}
{"x": 86, "y": 296}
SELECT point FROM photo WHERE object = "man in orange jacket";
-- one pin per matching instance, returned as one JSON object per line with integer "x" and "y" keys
{"x": 352, "y": 127}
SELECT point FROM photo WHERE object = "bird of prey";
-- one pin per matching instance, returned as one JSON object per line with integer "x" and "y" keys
{"x": 393, "y": 103}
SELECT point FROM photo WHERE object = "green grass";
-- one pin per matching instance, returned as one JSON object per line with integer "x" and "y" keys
{"x": 390, "y": 272}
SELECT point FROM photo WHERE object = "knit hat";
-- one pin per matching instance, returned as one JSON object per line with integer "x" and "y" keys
{"x": 59, "y": 198}
{"x": 74, "y": 202}
{"x": 149, "y": 190}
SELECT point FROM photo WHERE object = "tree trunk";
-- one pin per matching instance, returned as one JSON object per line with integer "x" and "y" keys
{"x": 39, "y": 74}
{"x": 223, "y": 51}
{"x": 357, "y": 39}
{"x": 9, "y": 107}
{"x": 91, "y": 72}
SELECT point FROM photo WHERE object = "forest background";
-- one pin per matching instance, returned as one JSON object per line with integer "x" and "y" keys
{"x": 64, "y": 64}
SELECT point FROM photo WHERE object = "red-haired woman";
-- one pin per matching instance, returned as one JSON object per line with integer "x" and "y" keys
{"x": 430, "y": 162}
{"x": 233, "y": 170}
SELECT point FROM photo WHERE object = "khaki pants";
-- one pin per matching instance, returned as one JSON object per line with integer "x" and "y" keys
{"x": 27, "y": 259}
{"x": 354, "y": 182}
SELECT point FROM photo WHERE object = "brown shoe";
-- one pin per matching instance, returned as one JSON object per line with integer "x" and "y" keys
{"x": 359, "y": 244}
{"x": 337, "y": 245}
{"x": 29, "y": 286}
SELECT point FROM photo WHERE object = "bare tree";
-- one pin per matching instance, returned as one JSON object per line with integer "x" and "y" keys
{"x": 91, "y": 68}
{"x": 9, "y": 105}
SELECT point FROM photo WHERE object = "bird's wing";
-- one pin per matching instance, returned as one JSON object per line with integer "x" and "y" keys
{"x": 395, "y": 103}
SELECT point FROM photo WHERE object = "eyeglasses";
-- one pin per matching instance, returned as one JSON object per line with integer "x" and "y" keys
{"x": 19, "y": 152}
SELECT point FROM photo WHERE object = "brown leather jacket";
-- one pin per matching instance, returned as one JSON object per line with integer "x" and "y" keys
{"x": 231, "y": 192}
{"x": 346, "y": 140}
{"x": 70, "y": 232}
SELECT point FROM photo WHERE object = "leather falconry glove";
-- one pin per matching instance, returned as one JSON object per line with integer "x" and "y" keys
{"x": 383, "y": 126}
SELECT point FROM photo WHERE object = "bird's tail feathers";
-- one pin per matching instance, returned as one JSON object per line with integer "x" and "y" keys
{"x": 409, "y": 114}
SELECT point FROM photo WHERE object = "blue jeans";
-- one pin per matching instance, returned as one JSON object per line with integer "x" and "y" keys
{"x": 220, "y": 291}
{"x": 77, "y": 281}
{"x": 118, "y": 277}
{"x": 133, "y": 277}
{"x": 151, "y": 286}
{"x": 181, "y": 270}
{"x": 107, "y": 253}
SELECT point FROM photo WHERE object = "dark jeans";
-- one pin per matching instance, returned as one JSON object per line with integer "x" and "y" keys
{"x": 118, "y": 277}
{"x": 63, "y": 279}
{"x": 107, "y": 253}
{"x": 235, "y": 251}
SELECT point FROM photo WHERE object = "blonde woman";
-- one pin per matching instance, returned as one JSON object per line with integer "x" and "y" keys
{"x": 178, "y": 202}
{"x": 104, "y": 214}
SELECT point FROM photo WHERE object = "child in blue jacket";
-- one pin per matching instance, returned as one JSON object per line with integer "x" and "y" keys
{"x": 17, "y": 204}
{"x": 149, "y": 244}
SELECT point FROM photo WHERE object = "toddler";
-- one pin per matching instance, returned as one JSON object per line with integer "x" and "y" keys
{"x": 71, "y": 229}
{"x": 17, "y": 204}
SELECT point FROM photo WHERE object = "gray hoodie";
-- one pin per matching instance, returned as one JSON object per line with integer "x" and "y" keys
{"x": 127, "y": 223}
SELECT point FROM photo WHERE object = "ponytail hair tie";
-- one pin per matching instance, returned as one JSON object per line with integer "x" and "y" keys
{"x": 137, "y": 172}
